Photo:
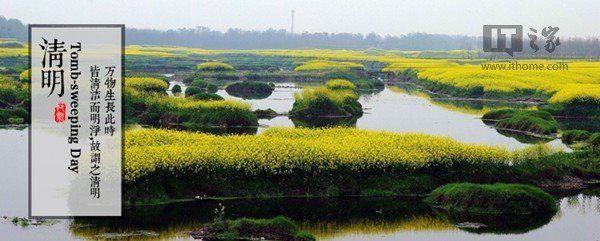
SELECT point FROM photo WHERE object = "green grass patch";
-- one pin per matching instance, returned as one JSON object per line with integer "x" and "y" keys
{"x": 493, "y": 199}
{"x": 207, "y": 97}
{"x": 340, "y": 84}
{"x": 250, "y": 89}
{"x": 326, "y": 65}
{"x": 215, "y": 66}
{"x": 532, "y": 121}
{"x": 164, "y": 110}
{"x": 571, "y": 136}
{"x": 204, "y": 86}
{"x": 594, "y": 141}
{"x": 278, "y": 228}
{"x": 266, "y": 113}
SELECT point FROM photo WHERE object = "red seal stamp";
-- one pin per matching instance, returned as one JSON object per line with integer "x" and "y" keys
{"x": 60, "y": 112}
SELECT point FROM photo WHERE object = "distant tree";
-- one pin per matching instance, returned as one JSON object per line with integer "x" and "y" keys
{"x": 203, "y": 37}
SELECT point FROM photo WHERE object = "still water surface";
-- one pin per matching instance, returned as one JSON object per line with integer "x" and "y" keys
{"x": 395, "y": 110}
{"x": 329, "y": 219}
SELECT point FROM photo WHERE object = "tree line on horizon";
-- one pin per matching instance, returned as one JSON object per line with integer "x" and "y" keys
{"x": 204, "y": 37}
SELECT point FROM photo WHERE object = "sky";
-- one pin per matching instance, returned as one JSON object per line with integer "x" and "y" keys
{"x": 463, "y": 17}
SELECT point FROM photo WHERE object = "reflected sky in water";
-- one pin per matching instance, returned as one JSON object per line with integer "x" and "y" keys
{"x": 354, "y": 219}
{"x": 400, "y": 112}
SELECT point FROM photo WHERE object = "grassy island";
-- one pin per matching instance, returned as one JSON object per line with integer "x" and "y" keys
{"x": 215, "y": 66}
{"x": 250, "y": 89}
{"x": 325, "y": 162}
{"x": 531, "y": 121}
{"x": 146, "y": 102}
{"x": 493, "y": 199}
{"x": 338, "y": 98}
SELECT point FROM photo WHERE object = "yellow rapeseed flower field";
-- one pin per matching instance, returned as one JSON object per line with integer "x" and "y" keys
{"x": 580, "y": 81}
{"x": 146, "y": 84}
{"x": 286, "y": 150}
{"x": 325, "y": 65}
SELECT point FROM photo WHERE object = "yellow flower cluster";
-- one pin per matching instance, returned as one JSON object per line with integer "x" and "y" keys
{"x": 567, "y": 85}
{"x": 340, "y": 84}
{"x": 192, "y": 104}
{"x": 24, "y": 76}
{"x": 214, "y": 66}
{"x": 285, "y": 150}
{"x": 322, "y": 65}
{"x": 580, "y": 80}
{"x": 146, "y": 84}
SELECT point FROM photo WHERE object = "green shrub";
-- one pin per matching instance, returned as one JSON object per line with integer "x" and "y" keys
{"x": 215, "y": 66}
{"x": 204, "y": 86}
{"x": 193, "y": 90}
{"x": 207, "y": 96}
{"x": 594, "y": 140}
{"x": 572, "y": 136}
{"x": 133, "y": 104}
{"x": 13, "y": 93}
{"x": 535, "y": 121}
{"x": 265, "y": 114}
{"x": 14, "y": 115}
{"x": 176, "y": 89}
{"x": 250, "y": 89}
{"x": 493, "y": 199}
{"x": 369, "y": 84}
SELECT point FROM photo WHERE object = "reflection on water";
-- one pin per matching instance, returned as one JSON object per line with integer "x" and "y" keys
{"x": 325, "y": 122}
{"x": 339, "y": 219}
{"x": 394, "y": 109}
{"x": 328, "y": 219}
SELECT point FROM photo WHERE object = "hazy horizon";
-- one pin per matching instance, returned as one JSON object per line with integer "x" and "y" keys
{"x": 457, "y": 17}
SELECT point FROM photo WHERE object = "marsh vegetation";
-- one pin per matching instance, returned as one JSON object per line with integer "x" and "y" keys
{"x": 351, "y": 129}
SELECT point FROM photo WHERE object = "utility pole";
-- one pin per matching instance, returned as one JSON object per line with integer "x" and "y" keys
{"x": 292, "y": 30}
